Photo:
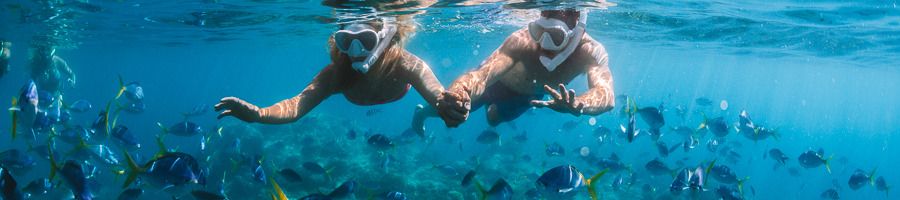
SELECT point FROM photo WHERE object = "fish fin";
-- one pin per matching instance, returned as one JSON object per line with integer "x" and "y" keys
{"x": 277, "y": 194}
{"x": 53, "y": 165}
{"x": 827, "y": 165}
{"x": 590, "y": 183}
{"x": 133, "y": 170}
{"x": 482, "y": 194}
{"x": 108, "y": 105}
{"x": 15, "y": 118}
{"x": 121, "y": 87}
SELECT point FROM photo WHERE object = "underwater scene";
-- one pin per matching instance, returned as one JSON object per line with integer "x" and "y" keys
{"x": 449, "y": 99}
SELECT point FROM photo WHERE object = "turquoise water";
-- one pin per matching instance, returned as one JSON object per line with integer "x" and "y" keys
{"x": 823, "y": 73}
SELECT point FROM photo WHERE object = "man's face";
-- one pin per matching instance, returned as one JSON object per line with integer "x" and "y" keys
{"x": 570, "y": 16}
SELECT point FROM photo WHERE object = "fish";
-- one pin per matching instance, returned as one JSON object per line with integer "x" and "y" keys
{"x": 204, "y": 195}
{"x": 290, "y": 175}
{"x": 74, "y": 134}
{"x": 259, "y": 174}
{"x": 277, "y": 193}
{"x": 521, "y": 138}
{"x": 40, "y": 186}
{"x": 346, "y": 189}
{"x": 779, "y": 156}
{"x": 718, "y": 126}
{"x": 8, "y": 186}
{"x": 80, "y": 106}
{"x": 132, "y": 107}
{"x": 133, "y": 91}
{"x": 630, "y": 130}
{"x": 100, "y": 128}
{"x": 860, "y": 178}
{"x": 653, "y": 117}
{"x": 569, "y": 125}
{"x": 560, "y": 180}
{"x": 198, "y": 110}
{"x": 124, "y": 138}
{"x": 664, "y": 150}
{"x": 813, "y": 159}
{"x": 24, "y": 109}
{"x": 380, "y": 141}
{"x": 393, "y": 195}
{"x": 14, "y": 159}
{"x": 316, "y": 168}
{"x": 183, "y": 128}
{"x": 73, "y": 175}
{"x": 351, "y": 135}
{"x": 555, "y": 149}
{"x": 489, "y": 137}
{"x": 467, "y": 179}
{"x": 170, "y": 169}
{"x": 657, "y": 167}
{"x": 703, "y": 101}
{"x": 760, "y": 133}
{"x": 373, "y": 112}
{"x": 131, "y": 194}
{"x": 602, "y": 133}
{"x": 725, "y": 175}
{"x": 830, "y": 194}
{"x": 728, "y": 193}
{"x": 688, "y": 179}
{"x": 712, "y": 145}
{"x": 613, "y": 163}
{"x": 99, "y": 153}
{"x": 881, "y": 185}
{"x": 499, "y": 191}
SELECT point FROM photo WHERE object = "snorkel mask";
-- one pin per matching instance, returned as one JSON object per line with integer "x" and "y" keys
{"x": 554, "y": 35}
{"x": 363, "y": 44}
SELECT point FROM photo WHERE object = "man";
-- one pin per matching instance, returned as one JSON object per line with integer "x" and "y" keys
{"x": 536, "y": 60}
{"x": 370, "y": 66}
{"x": 49, "y": 71}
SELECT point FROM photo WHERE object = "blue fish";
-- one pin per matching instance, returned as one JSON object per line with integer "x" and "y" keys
{"x": 8, "y": 187}
{"x": 259, "y": 174}
{"x": 170, "y": 169}
{"x": 80, "y": 106}
{"x": 125, "y": 139}
{"x": 16, "y": 160}
{"x": 499, "y": 191}
{"x": 555, "y": 149}
{"x": 38, "y": 187}
{"x": 561, "y": 180}
{"x": 74, "y": 176}
{"x": 184, "y": 129}
{"x": 131, "y": 194}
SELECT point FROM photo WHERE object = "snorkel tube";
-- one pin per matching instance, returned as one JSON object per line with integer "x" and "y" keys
{"x": 388, "y": 34}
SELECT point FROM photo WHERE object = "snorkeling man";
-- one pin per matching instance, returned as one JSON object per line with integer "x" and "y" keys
{"x": 369, "y": 65}
{"x": 536, "y": 60}
{"x": 50, "y": 72}
{"x": 4, "y": 56}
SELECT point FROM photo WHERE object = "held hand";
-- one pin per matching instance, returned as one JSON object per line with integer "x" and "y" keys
{"x": 563, "y": 101}
{"x": 454, "y": 107}
{"x": 232, "y": 106}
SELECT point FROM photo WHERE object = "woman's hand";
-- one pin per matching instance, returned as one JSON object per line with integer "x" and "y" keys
{"x": 232, "y": 106}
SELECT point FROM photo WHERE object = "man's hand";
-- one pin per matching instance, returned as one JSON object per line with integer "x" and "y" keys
{"x": 454, "y": 107}
{"x": 232, "y": 106}
{"x": 563, "y": 101}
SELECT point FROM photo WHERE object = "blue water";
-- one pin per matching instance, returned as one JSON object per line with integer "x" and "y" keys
{"x": 823, "y": 72}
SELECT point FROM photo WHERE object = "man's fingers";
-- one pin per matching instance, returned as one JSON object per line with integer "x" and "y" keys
{"x": 540, "y": 104}
{"x": 571, "y": 96}
{"x": 553, "y": 93}
{"x": 564, "y": 92}
{"x": 225, "y": 113}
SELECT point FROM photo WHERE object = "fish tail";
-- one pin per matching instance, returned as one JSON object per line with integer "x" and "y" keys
{"x": 15, "y": 118}
{"x": 161, "y": 145}
{"x": 740, "y": 185}
{"x": 590, "y": 183}
{"x": 872, "y": 176}
{"x": 482, "y": 194}
{"x": 133, "y": 170}
{"x": 827, "y": 165}
{"x": 277, "y": 194}
{"x": 53, "y": 165}
{"x": 121, "y": 87}
{"x": 708, "y": 168}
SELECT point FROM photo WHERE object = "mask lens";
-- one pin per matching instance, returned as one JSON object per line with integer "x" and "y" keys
{"x": 558, "y": 35}
{"x": 342, "y": 41}
{"x": 368, "y": 39}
